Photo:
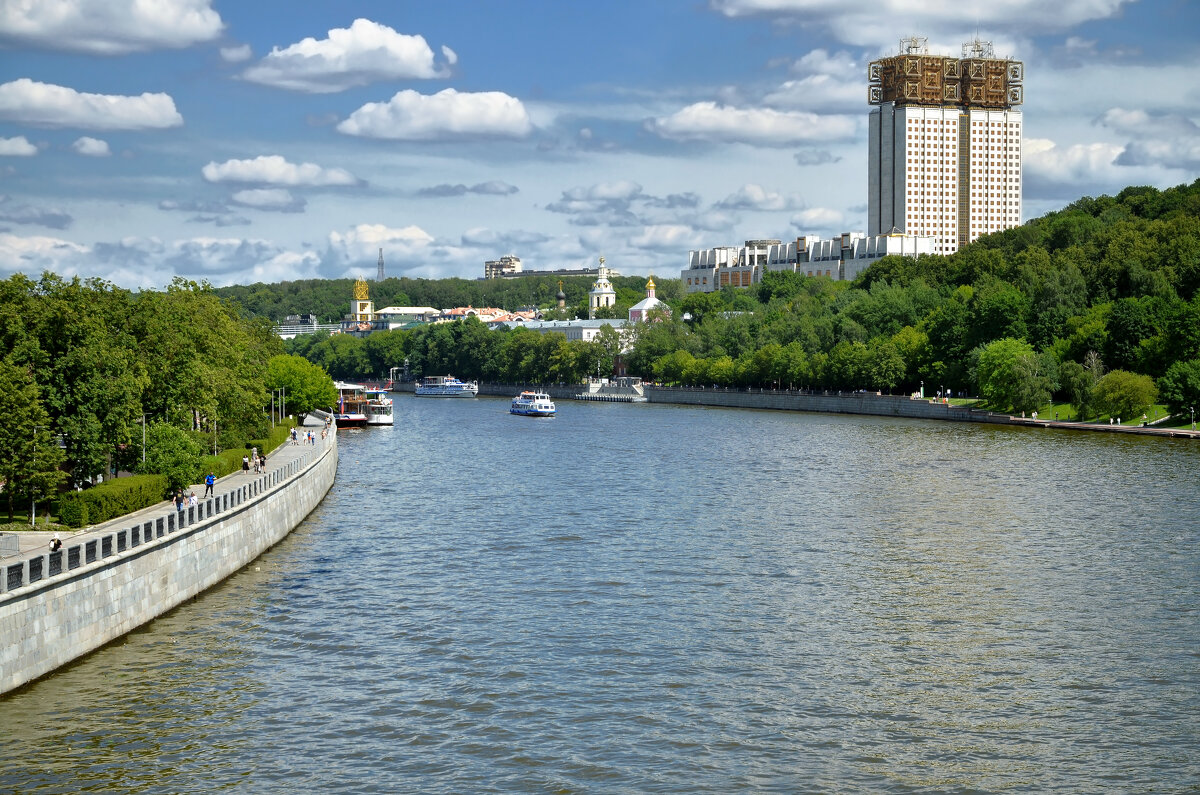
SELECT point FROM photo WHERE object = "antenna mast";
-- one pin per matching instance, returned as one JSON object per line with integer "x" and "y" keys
{"x": 379, "y": 274}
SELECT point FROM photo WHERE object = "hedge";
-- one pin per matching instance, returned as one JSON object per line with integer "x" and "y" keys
{"x": 278, "y": 435}
{"x": 109, "y": 499}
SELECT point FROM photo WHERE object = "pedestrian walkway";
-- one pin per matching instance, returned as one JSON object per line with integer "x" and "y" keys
{"x": 33, "y": 543}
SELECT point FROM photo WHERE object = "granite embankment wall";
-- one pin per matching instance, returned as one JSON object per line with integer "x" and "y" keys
{"x": 68, "y": 603}
{"x": 783, "y": 400}
{"x": 829, "y": 402}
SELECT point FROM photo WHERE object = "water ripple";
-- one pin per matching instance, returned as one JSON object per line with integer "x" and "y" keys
{"x": 665, "y": 599}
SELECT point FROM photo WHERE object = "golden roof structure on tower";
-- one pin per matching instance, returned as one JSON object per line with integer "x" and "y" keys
{"x": 976, "y": 80}
{"x": 360, "y": 289}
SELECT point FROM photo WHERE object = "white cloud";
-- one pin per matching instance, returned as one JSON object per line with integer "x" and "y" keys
{"x": 32, "y": 255}
{"x": 17, "y": 147}
{"x": 828, "y": 92}
{"x": 277, "y": 199}
{"x": 604, "y": 203}
{"x": 109, "y": 27}
{"x": 236, "y": 54}
{"x": 708, "y": 121}
{"x": 820, "y": 219}
{"x": 1076, "y": 164}
{"x": 91, "y": 147}
{"x": 755, "y": 197}
{"x": 867, "y": 21}
{"x": 410, "y": 116}
{"x": 1160, "y": 139}
{"x": 356, "y": 250}
{"x": 363, "y": 53}
{"x": 671, "y": 237}
{"x": 275, "y": 170}
{"x": 29, "y": 102}
{"x": 14, "y": 212}
{"x": 815, "y": 157}
{"x": 445, "y": 190}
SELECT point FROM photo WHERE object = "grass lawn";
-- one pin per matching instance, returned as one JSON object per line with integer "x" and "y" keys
{"x": 1065, "y": 413}
{"x": 23, "y": 527}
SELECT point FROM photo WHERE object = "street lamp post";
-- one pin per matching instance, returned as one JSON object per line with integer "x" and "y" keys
{"x": 32, "y": 497}
{"x": 922, "y": 389}
{"x": 1193, "y": 410}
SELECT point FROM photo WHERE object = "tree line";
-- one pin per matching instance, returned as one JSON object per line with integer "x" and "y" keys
{"x": 329, "y": 299}
{"x": 89, "y": 370}
{"x": 1097, "y": 304}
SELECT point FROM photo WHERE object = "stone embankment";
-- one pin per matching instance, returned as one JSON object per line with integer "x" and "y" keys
{"x": 827, "y": 402}
{"x": 109, "y": 580}
{"x": 868, "y": 403}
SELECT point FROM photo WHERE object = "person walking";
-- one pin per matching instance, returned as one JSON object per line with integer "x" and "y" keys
{"x": 179, "y": 500}
{"x": 246, "y": 464}
{"x": 210, "y": 480}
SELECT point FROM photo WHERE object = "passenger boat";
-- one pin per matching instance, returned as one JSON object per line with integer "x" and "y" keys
{"x": 446, "y": 386}
{"x": 379, "y": 407}
{"x": 351, "y": 408}
{"x": 532, "y": 404}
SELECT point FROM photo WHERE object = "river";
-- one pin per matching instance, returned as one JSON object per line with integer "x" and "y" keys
{"x": 651, "y": 598}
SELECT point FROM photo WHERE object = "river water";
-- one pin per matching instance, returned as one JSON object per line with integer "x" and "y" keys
{"x": 647, "y": 598}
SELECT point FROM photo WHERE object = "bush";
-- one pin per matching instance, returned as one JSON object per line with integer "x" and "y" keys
{"x": 174, "y": 453}
{"x": 1124, "y": 394}
{"x": 72, "y": 511}
{"x": 110, "y": 499}
{"x": 228, "y": 462}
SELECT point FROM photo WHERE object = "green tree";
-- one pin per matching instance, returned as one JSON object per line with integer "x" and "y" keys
{"x": 174, "y": 453}
{"x": 306, "y": 385}
{"x": 885, "y": 364}
{"x": 1121, "y": 393}
{"x": 1010, "y": 374}
{"x": 1076, "y": 384}
{"x": 29, "y": 467}
{"x": 670, "y": 369}
{"x": 1180, "y": 388}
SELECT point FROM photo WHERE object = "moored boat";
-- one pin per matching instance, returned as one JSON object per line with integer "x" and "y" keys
{"x": 446, "y": 386}
{"x": 532, "y": 404}
{"x": 351, "y": 408}
{"x": 379, "y": 407}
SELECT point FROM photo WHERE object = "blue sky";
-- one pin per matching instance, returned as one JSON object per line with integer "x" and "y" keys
{"x": 268, "y": 141}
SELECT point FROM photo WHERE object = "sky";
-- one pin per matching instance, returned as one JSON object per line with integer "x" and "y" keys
{"x": 266, "y": 141}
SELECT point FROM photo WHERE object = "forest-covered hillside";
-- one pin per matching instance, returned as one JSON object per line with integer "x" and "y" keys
{"x": 329, "y": 299}
{"x": 1106, "y": 288}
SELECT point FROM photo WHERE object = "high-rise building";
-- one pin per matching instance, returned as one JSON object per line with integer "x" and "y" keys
{"x": 945, "y": 144}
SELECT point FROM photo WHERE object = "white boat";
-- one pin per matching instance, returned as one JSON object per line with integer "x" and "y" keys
{"x": 351, "y": 408}
{"x": 532, "y": 404}
{"x": 379, "y": 407}
{"x": 446, "y": 386}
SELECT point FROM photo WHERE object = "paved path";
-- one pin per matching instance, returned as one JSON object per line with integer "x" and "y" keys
{"x": 34, "y": 543}
{"x": 1140, "y": 430}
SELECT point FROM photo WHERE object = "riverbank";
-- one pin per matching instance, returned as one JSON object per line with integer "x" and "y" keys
{"x": 864, "y": 403}
{"x": 111, "y": 578}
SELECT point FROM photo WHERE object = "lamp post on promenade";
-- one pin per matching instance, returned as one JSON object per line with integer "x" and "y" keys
{"x": 32, "y": 498}
{"x": 922, "y": 389}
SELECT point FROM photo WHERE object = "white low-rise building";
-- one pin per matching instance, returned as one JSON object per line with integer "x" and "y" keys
{"x": 585, "y": 330}
{"x": 842, "y": 257}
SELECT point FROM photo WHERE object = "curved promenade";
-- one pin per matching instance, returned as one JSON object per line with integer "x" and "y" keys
{"x": 112, "y": 578}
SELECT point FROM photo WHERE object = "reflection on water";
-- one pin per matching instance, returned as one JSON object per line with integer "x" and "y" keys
{"x": 649, "y": 598}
